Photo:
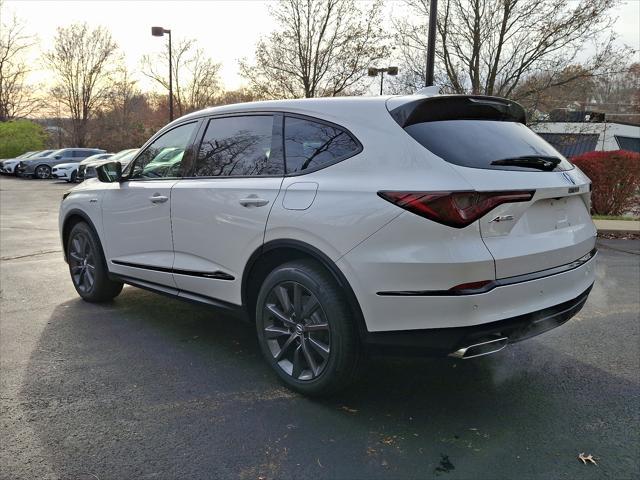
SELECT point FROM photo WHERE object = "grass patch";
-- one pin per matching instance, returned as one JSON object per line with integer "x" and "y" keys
{"x": 614, "y": 217}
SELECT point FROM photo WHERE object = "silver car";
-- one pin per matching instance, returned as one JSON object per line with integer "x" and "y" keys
{"x": 41, "y": 167}
{"x": 9, "y": 165}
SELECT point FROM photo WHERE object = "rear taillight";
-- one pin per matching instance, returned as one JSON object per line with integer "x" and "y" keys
{"x": 455, "y": 209}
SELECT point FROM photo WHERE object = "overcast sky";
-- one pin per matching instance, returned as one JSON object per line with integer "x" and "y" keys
{"x": 227, "y": 30}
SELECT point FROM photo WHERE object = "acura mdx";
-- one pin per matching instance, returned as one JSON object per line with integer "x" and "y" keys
{"x": 433, "y": 224}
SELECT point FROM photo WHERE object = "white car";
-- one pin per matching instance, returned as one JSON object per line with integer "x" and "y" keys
{"x": 436, "y": 224}
{"x": 87, "y": 169}
{"x": 69, "y": 171}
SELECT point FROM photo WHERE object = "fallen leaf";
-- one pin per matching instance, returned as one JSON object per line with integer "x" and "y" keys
{"x": 319, "y": 463}
{"x": 347, "y": 409}
{"x": 586, "y": 458}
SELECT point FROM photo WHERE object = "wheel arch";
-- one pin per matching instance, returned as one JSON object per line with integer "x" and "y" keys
{"x": 72, "y": 217}
{"x": 278, "y": 252}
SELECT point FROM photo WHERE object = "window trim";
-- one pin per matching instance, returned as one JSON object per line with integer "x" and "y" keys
{"x": 309, "y": 118}
{"x": 277, "y": 148}
{"x": 188, "y": 151}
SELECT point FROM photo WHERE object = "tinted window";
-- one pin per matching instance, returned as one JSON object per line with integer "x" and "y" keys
{"x": 238, "y": 146}
{"x": 81, "y": 153}
{"x": 309, "y": 145}
{"x": 163, "y": 158}
{"x": 478, "y": 143}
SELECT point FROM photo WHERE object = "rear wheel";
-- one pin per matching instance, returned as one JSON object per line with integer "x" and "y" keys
{"x": 87, "y": 266}
{"x": 305, "y": 329}
{"x": 42, "y": 172}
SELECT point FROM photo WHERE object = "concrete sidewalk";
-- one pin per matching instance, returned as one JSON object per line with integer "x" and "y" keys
{"x": 618, "y": 225}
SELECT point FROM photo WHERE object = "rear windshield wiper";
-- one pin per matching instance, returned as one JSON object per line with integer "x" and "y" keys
{"x": 541, "y": 162}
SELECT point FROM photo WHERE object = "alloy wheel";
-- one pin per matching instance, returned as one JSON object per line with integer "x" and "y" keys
{"x": 296, "y": 331}
{"x": 82, "y": 263}
{"x": 43, "y": 172}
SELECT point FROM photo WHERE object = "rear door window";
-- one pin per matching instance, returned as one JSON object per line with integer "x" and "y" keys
{"x": 487, "y": 144}
{"x": 311, "y": 145}
{"x": 238, "y": 146}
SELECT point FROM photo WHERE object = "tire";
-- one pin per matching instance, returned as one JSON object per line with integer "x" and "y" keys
{"x": 42, "y": 172}
{"x": 87, "y": 266}
{"x": 74, "y": 176}
{"x": 288, "y": 335}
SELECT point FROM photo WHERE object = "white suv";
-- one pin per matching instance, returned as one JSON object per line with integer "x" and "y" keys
{"x": 435, "y": 224}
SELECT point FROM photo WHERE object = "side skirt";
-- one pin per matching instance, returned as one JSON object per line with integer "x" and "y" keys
{"x": 219, "y": 305}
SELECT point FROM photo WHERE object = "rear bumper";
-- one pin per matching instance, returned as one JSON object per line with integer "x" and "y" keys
{"x": 391, "y": 309}
{"x": 445, "y": 341}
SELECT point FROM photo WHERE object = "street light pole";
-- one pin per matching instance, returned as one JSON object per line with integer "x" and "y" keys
{"x": 170, "y": 81}
{"x": 431, "y": 43}
{"x": 159, "y": 32}
{"x": 373, "y": 72}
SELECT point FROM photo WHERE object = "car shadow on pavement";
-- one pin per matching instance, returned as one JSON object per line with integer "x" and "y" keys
{"x": 148, "y": 387}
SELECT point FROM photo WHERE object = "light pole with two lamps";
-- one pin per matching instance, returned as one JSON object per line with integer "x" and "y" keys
{"x": 373, "y": 72}
{"x": 159, "y": 32}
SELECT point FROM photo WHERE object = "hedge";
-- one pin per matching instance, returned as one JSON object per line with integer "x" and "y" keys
{"x": 615, "y": 177}
{"x": 17, "y": 137}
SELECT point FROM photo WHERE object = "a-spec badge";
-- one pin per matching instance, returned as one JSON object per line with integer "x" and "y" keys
{"x": 502, "y": 218}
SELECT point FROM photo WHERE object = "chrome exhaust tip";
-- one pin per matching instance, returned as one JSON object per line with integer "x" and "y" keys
{"x": 481, "y": 349}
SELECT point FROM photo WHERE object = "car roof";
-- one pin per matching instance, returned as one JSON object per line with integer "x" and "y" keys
{"x": 328, "y": 105}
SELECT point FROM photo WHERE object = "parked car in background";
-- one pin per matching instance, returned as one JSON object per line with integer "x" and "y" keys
{"x": 8, "y": 166}
{"x": 435, "y": 224}
{"x": 69, "y": 171}
{"x": 41, "y": 167}
{"x": 87, "y": 168}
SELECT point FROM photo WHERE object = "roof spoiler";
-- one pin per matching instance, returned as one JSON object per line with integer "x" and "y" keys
{"x": 430, "y": 107}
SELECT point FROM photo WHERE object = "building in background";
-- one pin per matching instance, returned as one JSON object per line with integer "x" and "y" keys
{"x": 573, "y": 133}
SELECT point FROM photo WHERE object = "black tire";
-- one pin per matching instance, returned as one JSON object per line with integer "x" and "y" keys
{"x": 84, "y": 251}
{"x": 42, "y": 172}
{"x": 345, "y": 357}
{"x": 74, "y": 177}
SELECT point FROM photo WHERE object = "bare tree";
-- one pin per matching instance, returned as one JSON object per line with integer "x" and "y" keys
{"x": 81, "y": 58}
{"x": 17, "y": 98}
{"x": 322, "y": 48}
{"x": 493, "y": 46}
{"x": 196, "y": 81}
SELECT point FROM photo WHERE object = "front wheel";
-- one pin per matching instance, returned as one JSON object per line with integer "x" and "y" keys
{"x": 87, "y": 266}
{"x": 74, "y": 177}
{"x": 305, "y": 329}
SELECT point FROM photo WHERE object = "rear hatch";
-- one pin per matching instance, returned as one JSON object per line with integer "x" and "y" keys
{"x": 486, "y": 141}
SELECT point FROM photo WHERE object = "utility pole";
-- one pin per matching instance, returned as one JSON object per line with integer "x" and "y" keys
{"x": 431, "y": 44}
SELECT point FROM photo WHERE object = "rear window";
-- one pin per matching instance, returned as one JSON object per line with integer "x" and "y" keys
{"x": 487, "y": 144}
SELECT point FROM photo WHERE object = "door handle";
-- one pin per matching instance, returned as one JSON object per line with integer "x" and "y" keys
{"x": 158, "y": 198}
{"x": 253, "y": 201}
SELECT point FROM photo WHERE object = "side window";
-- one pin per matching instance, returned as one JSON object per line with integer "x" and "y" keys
{"x": 163, "y": 158}
{"x": 238, "y": 146}
{"x": 81, "y": 154}
{"x": 310, "y": 145}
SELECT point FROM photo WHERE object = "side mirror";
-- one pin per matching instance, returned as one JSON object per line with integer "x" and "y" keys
{"x": 109, "y": 172}
{"x": 58, "y": 157}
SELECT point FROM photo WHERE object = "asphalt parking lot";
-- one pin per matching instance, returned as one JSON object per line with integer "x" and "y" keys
{"x": 148, "y": 387}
